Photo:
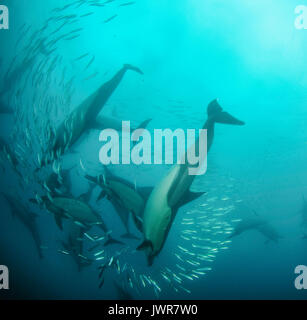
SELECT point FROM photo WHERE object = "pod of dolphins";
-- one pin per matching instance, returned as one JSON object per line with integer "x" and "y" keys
{"x": 152, "y": 209}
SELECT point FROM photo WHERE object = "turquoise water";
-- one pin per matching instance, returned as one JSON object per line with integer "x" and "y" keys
{"x": 246, "y": 53}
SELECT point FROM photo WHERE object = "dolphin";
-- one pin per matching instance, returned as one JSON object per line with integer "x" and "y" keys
{"x": 172, "y": 191}
{"x": 27, "y": 218}
{"x": 123, "y": 196}
{"x": 74, "y": 245}
{"x": 85, "y": 116}
{"x": 77, "y": 211}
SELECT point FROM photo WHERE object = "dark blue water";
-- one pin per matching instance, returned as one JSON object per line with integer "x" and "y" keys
{"x": 249, "y": 55}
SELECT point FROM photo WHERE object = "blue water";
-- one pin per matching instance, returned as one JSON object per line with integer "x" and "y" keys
{"x": 247, "y": 54}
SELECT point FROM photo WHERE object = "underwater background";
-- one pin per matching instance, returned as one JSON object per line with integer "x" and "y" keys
{"x": 246, "y": 53}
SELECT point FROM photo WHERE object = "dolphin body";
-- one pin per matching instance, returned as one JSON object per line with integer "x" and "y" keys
{"x": 172, "y": 191}
{"x": 77, "y": 211}
{"x": 124, "y": 198}
{"x": 85, "y": 116}
{"x": 27, "y": 218}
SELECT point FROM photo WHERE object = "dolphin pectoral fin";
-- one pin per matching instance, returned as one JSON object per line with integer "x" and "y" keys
{"x": 146, "y": 244}
{"x": 58, "y": 221}
{"x": 189, "y": 197}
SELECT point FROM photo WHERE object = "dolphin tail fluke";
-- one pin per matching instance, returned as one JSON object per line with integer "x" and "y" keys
{"x": 133, "y": 68}
{"x": 216, "y": 112}
{"x": 112, "y": 241}
{"x": 129, "y": 235}
{"x": 146, "y": 244}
